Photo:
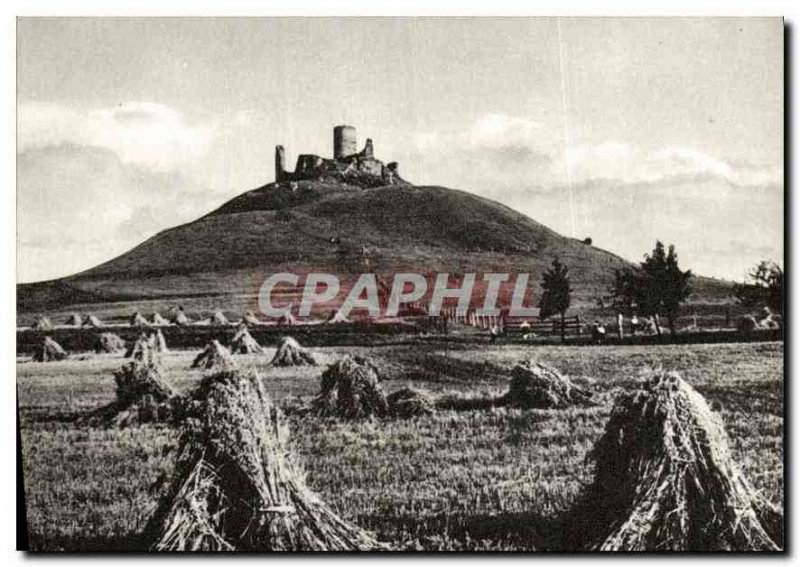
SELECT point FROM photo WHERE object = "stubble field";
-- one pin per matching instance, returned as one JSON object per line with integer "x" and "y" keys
{"x": 468, "y": 479}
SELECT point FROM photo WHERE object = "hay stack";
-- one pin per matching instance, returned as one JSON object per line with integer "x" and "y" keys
{"x": 93, "y": 322}
{"x": 244, "y": 343}
{"x": 48, "y": 351}
{"x": 74, "y": 320}
{"x": 234, "y": 488}
{"x": 250, "y": 319}
{"x": 181, "y": 319}
{"x": 350, "y": 390}
{"x": 158, "y": 342}
{"x": 108, "y": 342}
{"x": 292, "y": 353}
{"x": 158, "y": 321}
{"x": 407, "y": 402}
{"x": 142, "y": 349}
{"x": 138, "y": 320}
{"x": 536, "y": 385}
{"x": 142, "y": 396}
{"x": 649, "y": 326}
{"x": 42, "y": 323}
{"x": 218, "y": 318}
{"x": 147, "y": 346}
{"x": 137, "y": 348}
{"x": 338, "y": 317}
{"x": 747, "y": 324}
{"x": 665, "y": 480}
{"x": 287, "y": 319}
{"x": 214, "y": 357}
{"x": 769, "y": 320}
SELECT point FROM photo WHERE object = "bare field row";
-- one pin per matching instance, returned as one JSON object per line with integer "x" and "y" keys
{"x": 481, "y": 479}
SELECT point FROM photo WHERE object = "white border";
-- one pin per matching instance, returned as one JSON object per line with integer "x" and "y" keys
{"x": 404, "y": 8}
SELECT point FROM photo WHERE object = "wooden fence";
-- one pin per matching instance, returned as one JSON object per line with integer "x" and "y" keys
{"x": 572, "y": 325}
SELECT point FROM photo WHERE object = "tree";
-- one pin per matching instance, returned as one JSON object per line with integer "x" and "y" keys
{"x": 657, "y": 288}
{"x": 556, "y": 294}
{"x": 764, "y": 288}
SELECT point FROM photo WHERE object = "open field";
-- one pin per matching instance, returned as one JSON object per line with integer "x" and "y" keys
{"x": 360, "y": 334}
{"x": 484, "y": 479}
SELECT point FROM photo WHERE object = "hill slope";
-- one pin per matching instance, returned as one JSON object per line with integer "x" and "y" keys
{"x": 220, "y": 259}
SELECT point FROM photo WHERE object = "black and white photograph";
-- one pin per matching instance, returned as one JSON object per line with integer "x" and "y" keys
{"x": 401, "y": 284}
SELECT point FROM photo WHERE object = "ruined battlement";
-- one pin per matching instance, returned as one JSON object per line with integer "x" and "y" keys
{"x": 348, "y": 165}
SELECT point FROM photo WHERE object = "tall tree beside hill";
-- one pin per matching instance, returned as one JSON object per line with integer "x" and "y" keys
{"x": 764, "y": 288}
{"x": 658, "y": 287}
{"x": 557, "y": 292}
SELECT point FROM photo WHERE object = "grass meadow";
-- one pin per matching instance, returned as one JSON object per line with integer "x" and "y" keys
{"x": 477, "y": 479}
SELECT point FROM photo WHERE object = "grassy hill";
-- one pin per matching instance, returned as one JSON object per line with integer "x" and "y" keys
{"x": 219, "y": 260}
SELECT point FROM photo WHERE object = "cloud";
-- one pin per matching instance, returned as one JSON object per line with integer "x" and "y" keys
{"x": 497, "y": 150}
{"x": 521, "y": 152}
{"x": 67, "y": 192}
{"x": 95, "y": 182}
{"x": 81, "y": 205}
{"x": 693, "y": 160}
{"x": 720, "y": 229}
{"x": 622, "y": 195}
{"x": 617, "y": 160}
{"x": 140, "y": 133}
{"x": 502, "y": 129}
{"x": 489, "y": 131}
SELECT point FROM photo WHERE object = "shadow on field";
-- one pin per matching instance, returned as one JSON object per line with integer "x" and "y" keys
{"x": 50, "y": 415}
{"x": 499, "y": 532}
{"x": 762, "y": 398}
{"x": 442, "y": 368}
{"x": 469, "y": 404}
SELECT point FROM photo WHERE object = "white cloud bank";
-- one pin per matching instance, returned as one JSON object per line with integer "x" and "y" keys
{"x": 511, "y": 141}
{"x": 93, "y": 183}
{"x": 140, "y": 133}
{"x": 723, "y": 215}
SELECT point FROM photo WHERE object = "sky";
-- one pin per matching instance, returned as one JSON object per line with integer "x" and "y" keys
{"x": 625, "y": 130}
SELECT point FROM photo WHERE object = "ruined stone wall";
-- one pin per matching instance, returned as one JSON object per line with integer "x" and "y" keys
{"x": 348, "y": 164}
{"x": 370, "y": 166}
{"x": 307, "y": 164}
{"x": 368, "y": 151}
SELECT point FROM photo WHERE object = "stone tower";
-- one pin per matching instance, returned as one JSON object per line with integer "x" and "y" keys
{"x": 280, "y": 163}
{"x": 344, "y": 142}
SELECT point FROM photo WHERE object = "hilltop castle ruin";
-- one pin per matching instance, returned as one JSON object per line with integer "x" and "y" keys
{"x": 348, "y": 164}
